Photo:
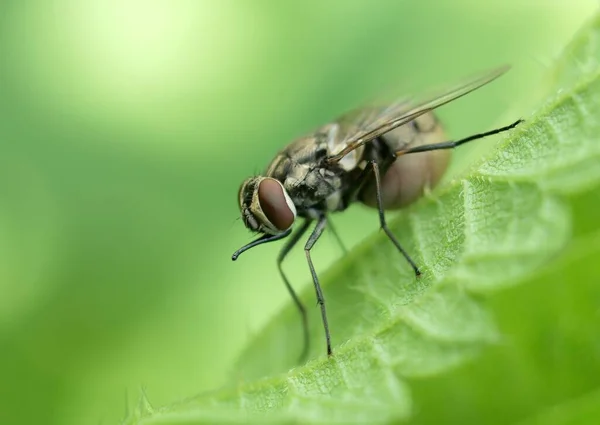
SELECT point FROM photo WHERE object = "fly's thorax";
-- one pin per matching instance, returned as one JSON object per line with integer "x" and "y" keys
{"x": 310, "y": 187}
{"x": 306, "y": 177}
{"x": 308, "y": 150}
{"x": 266, "y": 206}
{"x": 408, "y": 176}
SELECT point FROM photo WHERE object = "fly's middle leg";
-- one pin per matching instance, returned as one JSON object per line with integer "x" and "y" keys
{"x": 382, "y": 221}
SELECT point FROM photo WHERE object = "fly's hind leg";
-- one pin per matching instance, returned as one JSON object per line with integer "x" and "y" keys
{"x": 382, "y": 221}
{"x": 453, "y": 144}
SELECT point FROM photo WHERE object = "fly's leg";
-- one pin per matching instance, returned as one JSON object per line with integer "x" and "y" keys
{"x": 282, "y": 254}
{"x": 314, "y": 236}
{"x": 336, "y": 235}
{"x": 453, "y": 144}
{"x": 383, "y": 223}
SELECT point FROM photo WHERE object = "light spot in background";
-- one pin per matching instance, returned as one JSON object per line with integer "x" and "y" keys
{"x": 140, "y": 49}
{"x": 132, "y": 62}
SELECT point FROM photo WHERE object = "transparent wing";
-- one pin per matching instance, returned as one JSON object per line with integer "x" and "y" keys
{"x": 363, "y": 126}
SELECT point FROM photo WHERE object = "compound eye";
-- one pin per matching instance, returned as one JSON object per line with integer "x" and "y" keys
{"x": 276, "y": 204}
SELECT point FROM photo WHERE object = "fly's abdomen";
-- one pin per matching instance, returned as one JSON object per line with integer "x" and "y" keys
{"x": 408, "y": 176}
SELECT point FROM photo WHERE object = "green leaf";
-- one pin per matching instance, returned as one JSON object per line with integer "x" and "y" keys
{"x": 498, "y": 225}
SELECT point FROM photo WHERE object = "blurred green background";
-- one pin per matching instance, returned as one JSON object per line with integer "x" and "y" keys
{"x": 126, "y": 128}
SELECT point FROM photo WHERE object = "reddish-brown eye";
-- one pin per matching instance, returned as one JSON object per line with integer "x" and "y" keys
{"x": 276, "y": 205}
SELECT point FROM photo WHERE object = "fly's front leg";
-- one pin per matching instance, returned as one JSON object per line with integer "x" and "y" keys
{"x": 282, "y": 254}
{"x": 382, "y": 221}
{"x": 314, "y": 236}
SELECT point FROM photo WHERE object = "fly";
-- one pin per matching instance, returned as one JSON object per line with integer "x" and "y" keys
{"x": 360, "y": 157}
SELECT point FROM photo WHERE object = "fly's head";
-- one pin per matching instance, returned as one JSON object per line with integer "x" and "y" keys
{"x": 266, "y": 206}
